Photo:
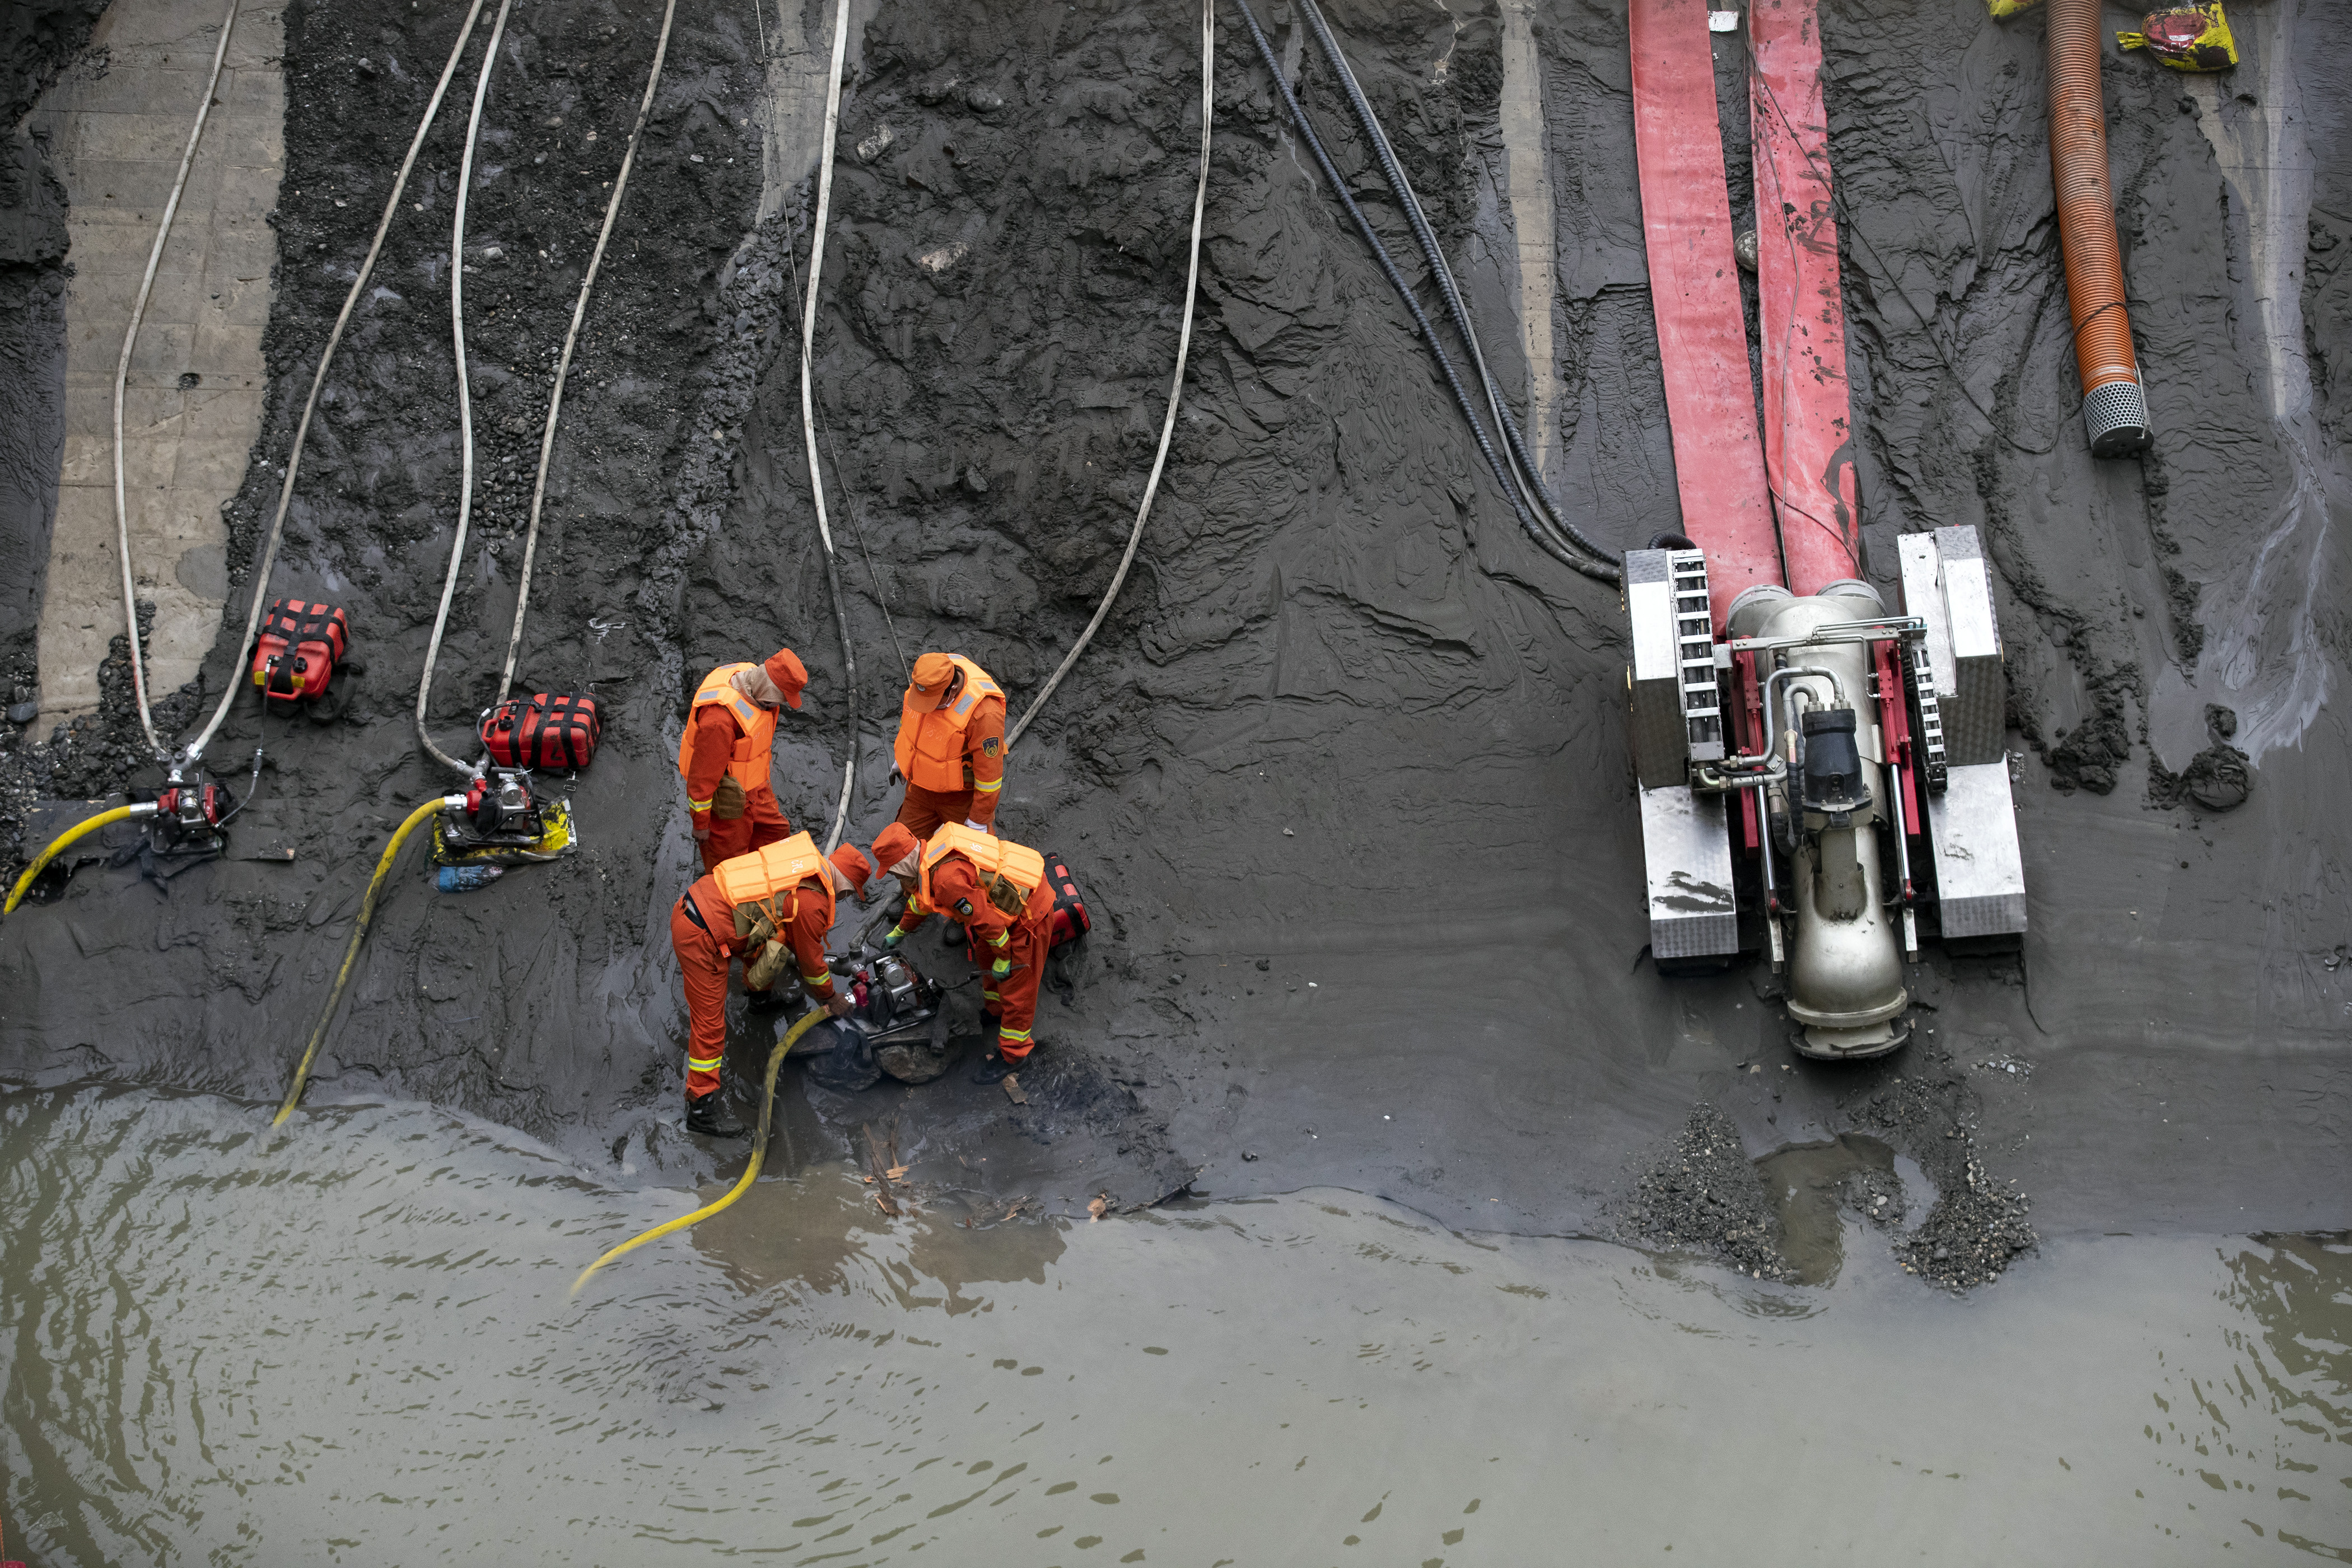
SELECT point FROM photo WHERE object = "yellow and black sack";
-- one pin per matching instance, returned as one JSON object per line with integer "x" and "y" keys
{"x": 2186, "y": 38}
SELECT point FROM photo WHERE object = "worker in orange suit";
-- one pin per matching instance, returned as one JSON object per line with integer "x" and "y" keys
{"x": 724, "y": 753}
{"x": 771, "y": 907}
{"x": 951, "y": 745}
{"x": 999, "y": 891}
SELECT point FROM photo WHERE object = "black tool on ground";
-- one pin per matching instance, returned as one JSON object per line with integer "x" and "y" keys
{"x": 301, "y": 646}
{"x": 546, "y": 730}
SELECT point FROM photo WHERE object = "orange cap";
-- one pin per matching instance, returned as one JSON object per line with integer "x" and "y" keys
{"x": 894, "y": 843}
{"x": 853, "y": 865}
{"x": 931, "y": 674}
{"x": 789, "y": 673}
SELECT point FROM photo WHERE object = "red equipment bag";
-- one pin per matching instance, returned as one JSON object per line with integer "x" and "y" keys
{"x": 301, "y": 644}
{"x": 549, "y": 730}
{"x": 1071, "y": 920}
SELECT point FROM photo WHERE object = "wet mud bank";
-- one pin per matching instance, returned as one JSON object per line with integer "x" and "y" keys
{"x": 1344, "y": 774}
{"x": 38, "y": 41}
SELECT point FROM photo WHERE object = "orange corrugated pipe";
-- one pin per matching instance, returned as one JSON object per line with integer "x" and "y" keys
{"x": 2115, "y": 405}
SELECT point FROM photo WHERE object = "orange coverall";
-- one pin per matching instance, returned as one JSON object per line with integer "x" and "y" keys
{"x": 1024, "y": 939}
{"x": 762, "y": 822}
{"x": 705, "y": 950}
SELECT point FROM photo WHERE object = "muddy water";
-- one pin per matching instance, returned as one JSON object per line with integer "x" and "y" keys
{"x": 353, "y": 1344}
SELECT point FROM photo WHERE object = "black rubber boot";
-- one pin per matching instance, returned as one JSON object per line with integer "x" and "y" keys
{"x": 708, "y": 1116}
{"x": 992, "y": 1068}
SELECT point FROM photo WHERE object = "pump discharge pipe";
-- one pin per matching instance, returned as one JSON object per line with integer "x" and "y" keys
{"x": 2115, "y": 403}
{"x": 352, "y": 949}
{"x": 65, "y": 840}
{"x": 790, "y": 1038}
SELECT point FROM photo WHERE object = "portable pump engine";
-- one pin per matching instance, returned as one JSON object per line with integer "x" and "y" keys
{"x": 1823, "y": 783}
{"x": 896, "y": 1025}
{"x": 502, "y": 822}
{"x": 189, "y": 815}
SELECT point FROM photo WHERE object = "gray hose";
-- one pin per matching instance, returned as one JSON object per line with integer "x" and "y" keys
{"x": 1443, "y": 273}
{"x": 465, "y": 397}
{"x": 571, "y": 340}
{"x": 1421, "y": 320}
{"x": 1175, "y": 380}
{"x": 319, "y": 379}
{"x": 123, "y": 375}
{"x": 808, "y": 414}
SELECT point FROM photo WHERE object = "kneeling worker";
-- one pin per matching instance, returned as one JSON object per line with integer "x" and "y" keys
{"x": 951, "y": 745}
{"x": 773, "y": 903}
{"x": 999, "y": 891}
{"x": 723, "y": 755}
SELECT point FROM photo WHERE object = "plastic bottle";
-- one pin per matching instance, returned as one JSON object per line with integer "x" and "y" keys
{"x": 466, "y": 879}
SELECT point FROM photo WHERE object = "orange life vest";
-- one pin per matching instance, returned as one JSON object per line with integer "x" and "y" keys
{"x": 750, "y": 764}
{"x": 783, "y": 868}
{"x": 929, "y": 750}
{"x": 1013, "y": 873}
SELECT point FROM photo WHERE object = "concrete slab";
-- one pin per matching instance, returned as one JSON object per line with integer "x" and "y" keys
{"x": 1530, "y": 177}
{"x": 118, "y": 134}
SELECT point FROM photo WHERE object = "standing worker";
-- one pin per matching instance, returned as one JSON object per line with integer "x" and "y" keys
{"x": 951, "y": 746}
{"x": 771, "y": 905}
{"x": 724, "y": 753}
{"x": 999, "y": 891}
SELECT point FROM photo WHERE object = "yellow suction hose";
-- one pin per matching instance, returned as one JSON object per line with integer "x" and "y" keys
{"x": 352, "y": 950}
{"x": 40, "y": 862}
{"x": 750, "y": 1169}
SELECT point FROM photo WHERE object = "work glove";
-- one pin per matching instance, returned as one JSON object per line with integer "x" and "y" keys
{"x": 999, "y": 969}
{"x": 728, "y": 802}
{"x": 893, "y": 937}
{"x": 701, "y": 832}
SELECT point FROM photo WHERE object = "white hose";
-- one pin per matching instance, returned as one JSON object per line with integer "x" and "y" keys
{"x": 816, "y": 259}
{"x": 1175, "y": 384}
{"x": 808, "y": 399}
{"x": 123, "y": 373}
{"x": 465, "y": 393}
{"x": 563, "y": 365}
{"x": 309, "y": 405}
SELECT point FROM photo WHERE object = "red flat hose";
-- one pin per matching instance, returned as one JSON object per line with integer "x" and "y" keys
{"x": 1801, "y": 306}
{"x": 2115, "y": 405}
{"x": 1694, "y": 295}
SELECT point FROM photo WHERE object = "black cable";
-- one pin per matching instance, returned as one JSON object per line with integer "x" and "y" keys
{"x": 1438, "y": 269}
{"x": 1421, "y": 321}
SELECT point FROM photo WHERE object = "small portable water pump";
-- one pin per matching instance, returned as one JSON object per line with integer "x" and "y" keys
{"x": 188, "y": 816}
{"x": 503, "y": 823}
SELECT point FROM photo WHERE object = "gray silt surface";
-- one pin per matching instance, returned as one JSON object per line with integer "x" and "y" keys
{"x": 1346, "y": 721}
